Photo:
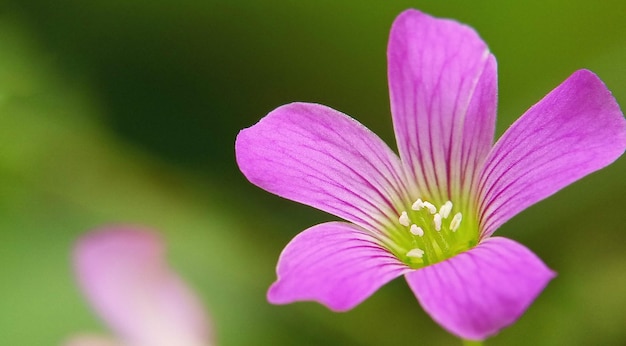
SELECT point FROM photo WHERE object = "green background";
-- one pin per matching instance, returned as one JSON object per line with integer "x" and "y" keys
{"x": 126, "y": 112}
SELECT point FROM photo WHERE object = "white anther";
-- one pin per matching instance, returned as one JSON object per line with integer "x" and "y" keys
{"x": 417, "y": 205}
{"x": 419, "y": 253}
{"x": 404, "y": 219}
{"x": 437, "y": 221}
{"x": 431, "y": 208}
{"x": 445, "y": 209}
{"x": 456, "y": 222}
{"x": 417, "y": 230}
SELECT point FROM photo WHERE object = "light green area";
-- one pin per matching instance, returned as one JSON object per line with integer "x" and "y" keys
{"x": 472, "y": 343}
{"x": 427, "y": 233}
{"x": 126, "y": 112}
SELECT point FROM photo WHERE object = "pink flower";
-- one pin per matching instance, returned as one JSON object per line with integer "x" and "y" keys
{"x": 123, "y": 273}
{"x": 430, "y": 213}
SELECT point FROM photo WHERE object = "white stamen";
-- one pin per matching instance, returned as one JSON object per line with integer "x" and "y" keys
{"x": 419, "y": 253}
{"x": 456, "y": 222}
{"x": 431, "y": 208}
{"x": 417, "y": 205}
{"x": 404, "y": 219}
{"x": 437, "y": 221}
{"x": 445, "y": 209}
{"x": 417, "y": 230}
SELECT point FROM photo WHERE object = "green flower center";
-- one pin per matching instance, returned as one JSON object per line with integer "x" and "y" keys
{"x": 425, "y": 233}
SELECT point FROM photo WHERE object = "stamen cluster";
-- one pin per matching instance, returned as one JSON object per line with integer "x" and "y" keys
{"x": 431, "y": 232}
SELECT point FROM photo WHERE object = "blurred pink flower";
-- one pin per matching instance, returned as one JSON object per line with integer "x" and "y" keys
{"x": 430, "y": 213}
{"x": 124, "y": 275}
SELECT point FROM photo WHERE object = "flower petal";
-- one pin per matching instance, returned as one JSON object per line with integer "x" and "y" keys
{"x": 123, "y": 273}
{"x": 336, "y": 264}
{"x": 318, "y": 156}
{"x": 443, "y": 85}
{"x": 576, "y": 129}
{"x": 476, "y": 293}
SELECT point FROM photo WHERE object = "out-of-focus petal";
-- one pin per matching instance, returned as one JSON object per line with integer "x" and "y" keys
{"x": 476, "y": 293}
{"x": 576, "y": 129}
{"x": 443, "y": 85}
{"x": 336, "y": 264}
{"x": 123, "y": 273}
{"x": 91, "y": 340}
{"x": 318, "y": 156}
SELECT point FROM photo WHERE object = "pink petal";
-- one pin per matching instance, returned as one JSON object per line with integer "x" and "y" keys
{"x": 443, "y": 84}
{"x": 335, "y": 264}
{"x": 476, "y": 293}
{"x": 576, "y": 129}
{"x": 318, "y": 156}
{"x": 124, "y": 275}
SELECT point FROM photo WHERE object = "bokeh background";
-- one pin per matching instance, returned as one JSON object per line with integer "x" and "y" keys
{"x": 118, "y": 111}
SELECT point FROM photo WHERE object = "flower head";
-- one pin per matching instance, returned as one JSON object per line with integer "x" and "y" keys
{"x": 430, "y": 213}
{"x": 123, "y": 273}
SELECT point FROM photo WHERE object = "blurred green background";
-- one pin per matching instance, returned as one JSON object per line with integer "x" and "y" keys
{"x": 126, "y": 112}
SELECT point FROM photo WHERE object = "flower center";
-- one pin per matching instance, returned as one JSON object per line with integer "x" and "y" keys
{"x": 427, "y": 234}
